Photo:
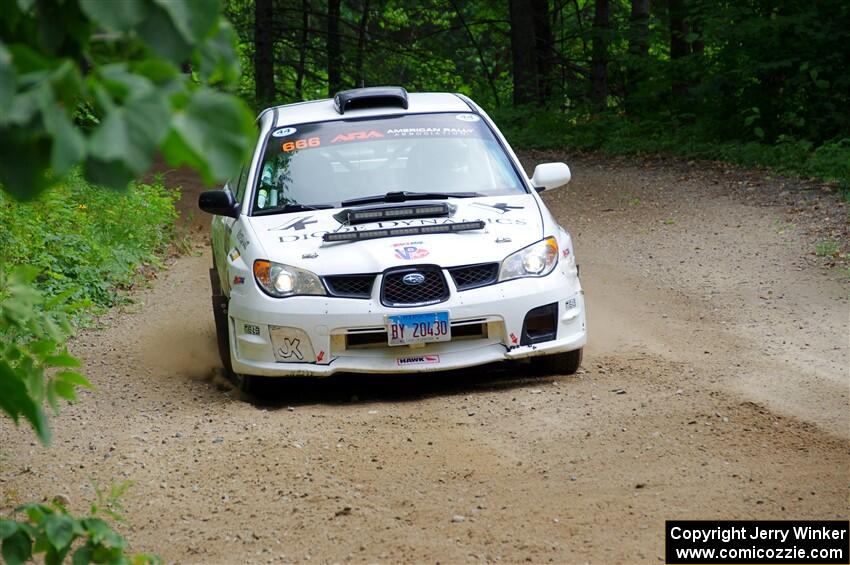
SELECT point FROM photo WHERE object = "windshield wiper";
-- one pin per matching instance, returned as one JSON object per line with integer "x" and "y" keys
{"x": 406, "y": 195}
{"x": 293, "y": 208}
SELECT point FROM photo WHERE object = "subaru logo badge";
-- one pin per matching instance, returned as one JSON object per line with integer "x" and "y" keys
{"x": 413, "y": 279}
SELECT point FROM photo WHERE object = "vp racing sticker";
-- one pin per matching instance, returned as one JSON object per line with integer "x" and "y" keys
{"x": 410, "y": 250}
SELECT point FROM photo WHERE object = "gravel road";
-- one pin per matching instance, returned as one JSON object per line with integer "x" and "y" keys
{"x": 715, "y": 385}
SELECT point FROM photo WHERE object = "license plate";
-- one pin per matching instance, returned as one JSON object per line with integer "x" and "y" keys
{"x": 405, "y": 329}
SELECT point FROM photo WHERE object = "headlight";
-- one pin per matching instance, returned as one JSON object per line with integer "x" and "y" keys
{"x": 536, "y": 260}
{"x": 282, "y": 280}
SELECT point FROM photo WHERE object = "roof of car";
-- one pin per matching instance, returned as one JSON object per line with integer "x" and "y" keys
{"x": 323, "y": 110}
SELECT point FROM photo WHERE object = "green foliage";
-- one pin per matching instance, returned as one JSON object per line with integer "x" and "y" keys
{"x": 533, "y": 127}
{"x": 760, "y": 82}
{"x": 828, "y": 248}
{"x": 67, "y": 251}
{"x": 85, "y": 240}
{"x": 53, "y": 531}
{"x": 35, "y": 366}
{"x": 100, "y": 84}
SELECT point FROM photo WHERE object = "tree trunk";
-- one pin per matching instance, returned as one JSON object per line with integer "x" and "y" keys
{"x": 522, "y": 53}
{"x": 543, "y": 49}
{"x": 334, "y": 48}
{"x": 638, "y": 50}
{"x": 481, "y": 58}
{"x": 263, "y": 52}
{"x": 639, "y": 28}
{"x": 698, "y": 45}
{"x": 361, "y": 44}
{"x": 599, "y": 61}
{"x": 302, "y": 51}
{"x": 678, "y": 47}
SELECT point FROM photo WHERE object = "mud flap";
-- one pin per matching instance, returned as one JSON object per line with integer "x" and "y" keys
{"x": 219, "y": 305}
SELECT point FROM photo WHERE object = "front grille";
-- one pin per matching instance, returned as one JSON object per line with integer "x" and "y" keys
{"x": 432, "y": 289}
{"x": 474, "y": 276}
{"x": 350, "y": 286}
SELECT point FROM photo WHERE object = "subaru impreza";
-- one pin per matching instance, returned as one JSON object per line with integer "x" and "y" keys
{"x": 383, "y": 231}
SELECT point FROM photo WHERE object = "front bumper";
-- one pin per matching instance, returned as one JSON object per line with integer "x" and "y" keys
{"x": 318, "y": 336}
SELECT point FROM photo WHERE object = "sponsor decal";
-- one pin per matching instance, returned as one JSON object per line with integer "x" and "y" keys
{"x": 570, "y": 304}
{"x": 234, "y": 255}
{"x": 417, "y": 360}
{"x": 251, "y": 329}
{"x": 514, "y": 338}
{"x": 357, "y": 136}
{"x": 501, "y": 207}
{"x": 297, "y": 144}
{"x": 291, "y": 348}
{"x": 298, "y": 224}
{"x": 410, "y": 250}
{"x": 408, "y": 132}
{"x": 467, "y": 117}
{"x": 320, "y": 356}
{"x": 565, "y": 252}
{"x": 243, "y": 241}
{"x": 283, "y": 132}
{"x": 238, "y": 280}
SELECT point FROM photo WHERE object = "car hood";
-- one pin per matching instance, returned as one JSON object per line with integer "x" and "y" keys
{"x": 511, "y": 223}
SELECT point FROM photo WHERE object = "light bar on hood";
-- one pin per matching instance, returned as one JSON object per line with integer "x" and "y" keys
{"x": 367, "y": 215}
{"x": 417, "y": 230}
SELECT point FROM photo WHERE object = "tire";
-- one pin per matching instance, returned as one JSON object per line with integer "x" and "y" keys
{"x": 222, "y": 331}
{"x": 559, "y": 363}
{"x": 252, "y": 384}
{"x": 249, "y": 384}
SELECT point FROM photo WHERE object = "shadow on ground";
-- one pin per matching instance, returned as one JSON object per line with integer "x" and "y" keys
{"x": 348, "y": 388}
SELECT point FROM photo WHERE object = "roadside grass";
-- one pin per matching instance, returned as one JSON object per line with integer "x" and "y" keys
{"x": 827, "y": 248}
{"x": 614, "y": 134}
{"x": 90, "y": 242}
{"x": 536, "y": 128}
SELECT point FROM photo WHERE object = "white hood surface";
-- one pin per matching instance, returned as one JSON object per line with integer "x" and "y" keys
{"x": 511, "y": 223}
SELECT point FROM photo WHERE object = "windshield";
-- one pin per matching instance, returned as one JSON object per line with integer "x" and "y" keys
{"x": 324, "y": 164}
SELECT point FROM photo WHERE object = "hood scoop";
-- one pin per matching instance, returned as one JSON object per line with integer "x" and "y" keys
{"x": 384, "y": 213}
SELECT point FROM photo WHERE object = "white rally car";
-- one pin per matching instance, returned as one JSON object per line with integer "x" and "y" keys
{"x": 387, "y": 232}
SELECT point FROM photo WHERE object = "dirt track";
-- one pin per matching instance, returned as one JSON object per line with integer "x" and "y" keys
{"x": 715, "y": 385}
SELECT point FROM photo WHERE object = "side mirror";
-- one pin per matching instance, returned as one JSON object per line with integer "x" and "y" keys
{"x": 550, "y": 175}
{"x": 219, "y": 202}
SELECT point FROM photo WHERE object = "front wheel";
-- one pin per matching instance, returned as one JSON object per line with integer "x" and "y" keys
{"x": 219, "y": 307}
{"x": 559, "y": 363}
{"x": 252, "y": 384}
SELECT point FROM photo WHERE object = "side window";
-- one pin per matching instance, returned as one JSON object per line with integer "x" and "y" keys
{"x": 242, "y": 184}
